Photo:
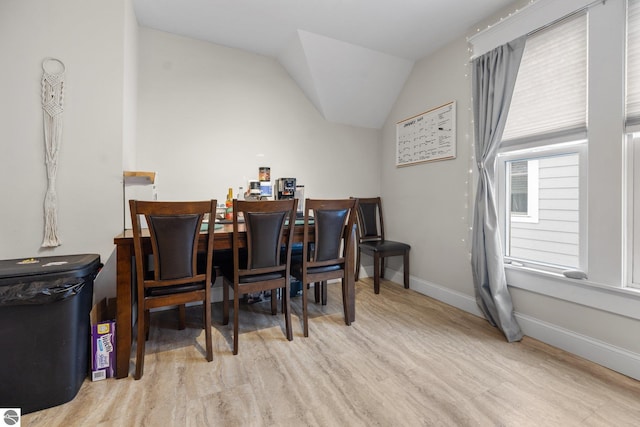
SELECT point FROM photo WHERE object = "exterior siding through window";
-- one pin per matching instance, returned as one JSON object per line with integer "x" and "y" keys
{"x": 554, "y": 238}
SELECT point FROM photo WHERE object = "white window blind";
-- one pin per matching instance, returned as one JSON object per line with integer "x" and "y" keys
{"x": 550, "y": 96}
{"x": 633, "y": 66}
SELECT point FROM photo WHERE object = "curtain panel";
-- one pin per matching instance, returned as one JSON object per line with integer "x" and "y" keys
{"x": 493, "y": 81}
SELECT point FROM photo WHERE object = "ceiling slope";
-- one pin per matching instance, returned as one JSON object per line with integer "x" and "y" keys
{"x": 350, "y": 57}
{"x": 348, "y": 84}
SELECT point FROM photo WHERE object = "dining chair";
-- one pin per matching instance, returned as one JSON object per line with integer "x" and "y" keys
{"x": 327, "y": 259}
{"x": 173, "y": 278}
{"x": 258, "y": 263}
{"x": 371, "y": 240}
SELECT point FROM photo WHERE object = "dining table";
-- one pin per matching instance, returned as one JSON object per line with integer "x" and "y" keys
{"x": 223, "y": 240}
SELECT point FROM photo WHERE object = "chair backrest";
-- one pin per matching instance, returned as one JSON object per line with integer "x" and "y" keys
{"x": 174, "y": 229}
{"x": 333, "y": 222}
{"x": 370, "y": 221}
{"x": 267, "y": 229}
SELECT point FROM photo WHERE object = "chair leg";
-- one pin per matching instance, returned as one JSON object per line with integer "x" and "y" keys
{"x": 323, "y": 287}
{"x": 140, "y": 344}
{"x": 345, "y": 302}
{"x": 316, "y": 291}
{"x": 147, "y": 323}
{"x": 207, "y": 327}
{"x": 287, "y": 313}
{"x": 274, "y": 302}
{"x": 376, "y": 272}
{"x": 305, "y": 314}
{"x": 236, "y": 309}
{"x": 356, "y": 274}
{"x": 406, "y": 270}
{"x": 182, "y": 313}
{"x": 225, "y": 302}
{"x": 382, "y": 267}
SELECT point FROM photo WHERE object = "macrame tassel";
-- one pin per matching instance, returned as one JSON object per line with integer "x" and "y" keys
{"x": 51, "y": 238}
{"x": 52, "y": 106}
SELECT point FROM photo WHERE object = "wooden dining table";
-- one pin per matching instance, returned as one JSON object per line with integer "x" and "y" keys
{"x": 125, "y": 278}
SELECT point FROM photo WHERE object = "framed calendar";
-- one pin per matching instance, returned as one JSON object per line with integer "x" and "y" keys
{"x": 427, "y": 137}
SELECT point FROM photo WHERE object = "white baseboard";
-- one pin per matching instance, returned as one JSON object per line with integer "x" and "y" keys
{"x": 607, "y": 355}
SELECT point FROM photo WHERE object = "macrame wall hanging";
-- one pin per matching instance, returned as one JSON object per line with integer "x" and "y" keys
{"x": 52, "y": 106}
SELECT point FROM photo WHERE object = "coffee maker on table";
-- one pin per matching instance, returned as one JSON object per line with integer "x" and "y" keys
{"x": 285, "y": 188}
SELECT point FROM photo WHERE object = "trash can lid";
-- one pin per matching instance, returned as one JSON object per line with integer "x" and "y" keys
{"x": 13, "y": 268}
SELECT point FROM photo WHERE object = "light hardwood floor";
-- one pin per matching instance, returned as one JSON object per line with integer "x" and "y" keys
{"x": 408, "y": 360}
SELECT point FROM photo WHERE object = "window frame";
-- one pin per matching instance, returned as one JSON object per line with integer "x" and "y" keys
{"x": 631, "y": 238}
{"x": 632, "y": 223}
{"x": 575, "y": 144}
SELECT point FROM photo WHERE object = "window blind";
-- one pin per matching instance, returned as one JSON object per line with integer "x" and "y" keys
{"x": 633, "y": 66}
{"x": 534, "y": 15}
{"x": 550, "y": 96}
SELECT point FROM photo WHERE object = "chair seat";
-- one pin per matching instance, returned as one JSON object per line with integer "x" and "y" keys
{"x": 384, "y": 246}
{"x": 261, "y": 277}
{"x": 169, "y": 290}
{"x": 227, "y": 272}
{"x": 296, "y": 269}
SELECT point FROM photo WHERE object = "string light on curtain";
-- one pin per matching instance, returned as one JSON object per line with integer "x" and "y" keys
{"x": 468, "y": 201}
{"x": 503, "y": 18}
{"x": 469, "y": 134}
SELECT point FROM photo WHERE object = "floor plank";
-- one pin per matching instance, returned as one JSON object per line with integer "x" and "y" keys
{"x": 407, "y": 360}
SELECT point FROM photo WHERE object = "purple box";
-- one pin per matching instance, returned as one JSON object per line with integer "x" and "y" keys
{"x": 103, "y": 350}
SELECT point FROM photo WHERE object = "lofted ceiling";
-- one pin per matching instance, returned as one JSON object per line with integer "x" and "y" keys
{"x": 350, "y": 57}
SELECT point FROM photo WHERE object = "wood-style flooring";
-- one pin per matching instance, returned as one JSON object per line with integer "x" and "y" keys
{"x": 407, "y": 360}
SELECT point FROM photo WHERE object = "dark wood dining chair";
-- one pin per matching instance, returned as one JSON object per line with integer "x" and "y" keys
{"x": 327, "y": 258}
{"x": 259, "y": 264}
{"x": 174, "y": 279}
{"x": 371, "y": 240}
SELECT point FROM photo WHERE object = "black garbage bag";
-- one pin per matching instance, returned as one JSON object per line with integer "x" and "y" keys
{"x": 40, "y": 291}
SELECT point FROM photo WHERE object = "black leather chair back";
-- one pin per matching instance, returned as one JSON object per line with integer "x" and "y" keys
{"x": 329, "y": 230}
{"x": 175, "y": 237}
{"x": 368, "y": 220}
{"x": 264, "y": 232}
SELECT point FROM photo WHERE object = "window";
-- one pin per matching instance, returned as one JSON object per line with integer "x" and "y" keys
{"x": 633, "y": 66}
{"x": 541, "y": 173}
{"x": 518, "y": 173}
{"x": 633, "y": 139}
{"x": 633, "y": 156}
{"x": 541, "y": 119}
{"x": 523, "y": 190}
{"x": 547, "y": 234}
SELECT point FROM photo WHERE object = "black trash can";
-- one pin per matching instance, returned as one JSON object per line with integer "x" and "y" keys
{"x": 44, "y": 329}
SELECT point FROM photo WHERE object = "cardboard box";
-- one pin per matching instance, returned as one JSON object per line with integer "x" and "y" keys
{"x": 103, "y": 350}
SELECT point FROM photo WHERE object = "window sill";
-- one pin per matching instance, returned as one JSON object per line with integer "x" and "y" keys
{"x": 620, "y": 301}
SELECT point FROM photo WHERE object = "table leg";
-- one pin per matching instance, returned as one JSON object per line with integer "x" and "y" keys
{"x": 123, "y": 315}
{"x": 350, "y": 272}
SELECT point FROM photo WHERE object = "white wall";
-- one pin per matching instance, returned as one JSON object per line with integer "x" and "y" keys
{"x": 88, "y": 36}
{"x": 130, "y": 88}
{"x": 595, "y": 320}
{"x": 209, "y": 116}
{"x": 427, "y": 205}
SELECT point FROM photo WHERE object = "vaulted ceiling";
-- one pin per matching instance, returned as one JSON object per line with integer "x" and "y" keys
{"x": 350, "y": 57}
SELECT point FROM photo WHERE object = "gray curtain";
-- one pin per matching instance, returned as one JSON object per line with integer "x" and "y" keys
{"x": 494, "y": 77}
